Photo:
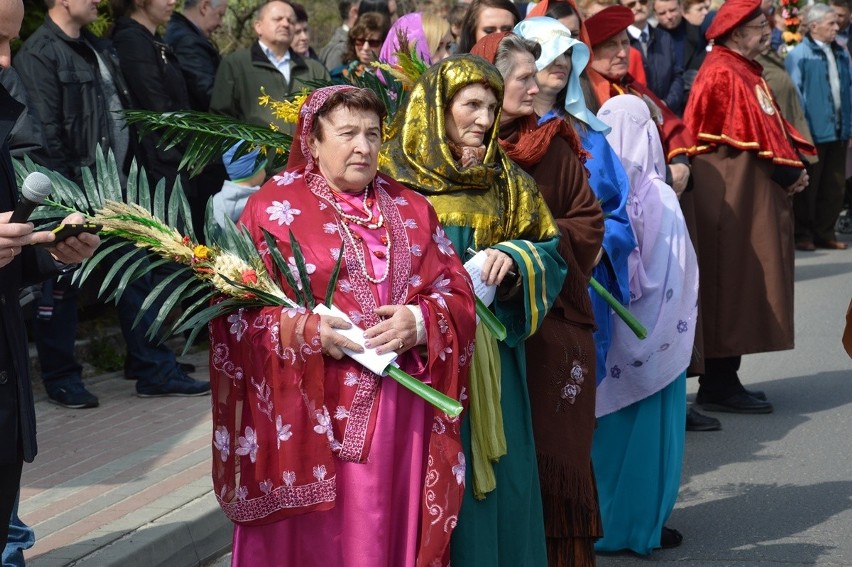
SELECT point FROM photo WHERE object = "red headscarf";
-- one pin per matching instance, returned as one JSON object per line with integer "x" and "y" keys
{"x": 533, "y": 140}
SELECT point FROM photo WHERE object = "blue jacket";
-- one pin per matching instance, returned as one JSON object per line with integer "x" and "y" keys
{"x": 808, "y": 67}
{"x": 664, "y": 73}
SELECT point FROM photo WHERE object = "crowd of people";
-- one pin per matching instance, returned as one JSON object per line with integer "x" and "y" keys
{"x": 674, "y": 153}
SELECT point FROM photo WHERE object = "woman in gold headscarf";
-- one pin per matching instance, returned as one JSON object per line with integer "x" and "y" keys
{"x": 445, "y": 146}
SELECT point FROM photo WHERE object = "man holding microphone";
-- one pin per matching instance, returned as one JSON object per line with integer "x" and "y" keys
{"x": 21, "y": 264}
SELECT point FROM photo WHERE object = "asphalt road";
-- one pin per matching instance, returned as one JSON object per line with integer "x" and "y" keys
{"x": 776, "y": 490}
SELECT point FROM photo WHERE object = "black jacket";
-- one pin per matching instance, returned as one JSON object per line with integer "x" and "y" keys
{"x": 63, "y": 84}
{"x": 198, "y": 58}
{"x": 156, "y": 82}
{"x": 665, "y": 76}
{"x": 690, "y": 49}
{"x": 17, "y": 411}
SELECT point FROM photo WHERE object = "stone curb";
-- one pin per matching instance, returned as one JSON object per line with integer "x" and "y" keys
{"x": 190, "y": 536}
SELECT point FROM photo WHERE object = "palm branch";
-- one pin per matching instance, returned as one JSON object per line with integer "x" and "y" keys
{"x": 138, "y": 222}
{"x": 207, "y": 136}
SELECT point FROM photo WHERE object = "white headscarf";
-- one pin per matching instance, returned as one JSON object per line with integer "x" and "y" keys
{"x": 663, "y": 269}
{"x": 555, "y": 39}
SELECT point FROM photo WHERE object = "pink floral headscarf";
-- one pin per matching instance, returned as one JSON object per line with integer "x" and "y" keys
{"x": 307, "y": 113}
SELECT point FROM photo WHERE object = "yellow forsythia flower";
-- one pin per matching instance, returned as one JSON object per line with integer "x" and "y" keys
{"x": 201, "y": 252}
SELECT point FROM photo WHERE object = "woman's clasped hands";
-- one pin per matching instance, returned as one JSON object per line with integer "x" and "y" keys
{"x": 396, "y": 332}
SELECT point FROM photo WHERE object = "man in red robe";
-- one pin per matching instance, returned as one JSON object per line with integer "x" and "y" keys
{"x": 607, "y": 71}
{"x": 748, "y": 168}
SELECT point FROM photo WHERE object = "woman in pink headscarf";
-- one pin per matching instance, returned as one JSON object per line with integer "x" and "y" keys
{"x": 429, "y": 34}
{"x": 317, "y": 460}
{"x": 641, "y": 405}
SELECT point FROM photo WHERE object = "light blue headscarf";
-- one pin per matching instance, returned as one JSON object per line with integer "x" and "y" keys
{"x": 555, "y": 39}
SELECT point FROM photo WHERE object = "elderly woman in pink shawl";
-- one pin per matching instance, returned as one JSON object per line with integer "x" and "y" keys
{"x": 638, "y": 444}
{"x": 429, "y": 34}
{"x": 318, "y": 461}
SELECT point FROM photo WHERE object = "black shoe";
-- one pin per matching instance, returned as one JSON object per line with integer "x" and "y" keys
{"x": 701, "y": 397}
{"x": 738, "y": 403}
{"x": 181, "y": 385}
{"x": 670, "y": 538}
{"x": 187, "y": 367}
{"x": 699, "y": 422}
{"x": 73, "y": 396}
{"x": 759, "y": 394}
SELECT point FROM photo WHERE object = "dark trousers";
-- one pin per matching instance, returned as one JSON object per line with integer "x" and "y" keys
{"x": 720, "y": 379}
{"x": 147, "y": 361}
{"x": 10, "y": 481}
{"x": 818, "y": 206}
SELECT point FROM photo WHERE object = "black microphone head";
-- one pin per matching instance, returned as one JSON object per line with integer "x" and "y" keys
{"x": 36, "y": 187}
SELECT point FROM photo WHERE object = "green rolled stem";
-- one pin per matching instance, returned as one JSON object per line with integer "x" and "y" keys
{"x": 490, "y": 320}
{"x": 638, "y": 329}
{"x": 441, "y": 401}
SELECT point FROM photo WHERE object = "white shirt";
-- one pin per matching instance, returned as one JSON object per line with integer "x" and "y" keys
{"x": 833, "y": 75}
{"x": 282, "y": 64}
{"x": 636, "y": 34}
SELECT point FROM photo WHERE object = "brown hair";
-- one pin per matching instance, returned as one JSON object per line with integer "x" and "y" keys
{"x": 363, "y": 100}
{"x": 467, "y": 38}
{"x": 122, "y": 8}
{"x": 687, "y": 4}
{"x": 371, "y": 22}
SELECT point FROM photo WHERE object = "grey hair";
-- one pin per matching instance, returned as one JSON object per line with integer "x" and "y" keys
{"x": 814, "y": 13}
{"x": 510, "y": 45}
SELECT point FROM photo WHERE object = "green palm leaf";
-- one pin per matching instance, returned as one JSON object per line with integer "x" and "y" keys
{"x": 282, "y": 265}
{"x": 109, "y": 181}
{"x": 159, "y": 206}
{"x": 90, "y": 264}
{"x": 332, "y": 282}
{"x": 114, "y": 270}
{"x": 208, "y": 136}
{"x": 136, "y": 270}
{"x": 304, "y": 277}
{"x": 183, "y": 291}
{"x": 155, "y": 294}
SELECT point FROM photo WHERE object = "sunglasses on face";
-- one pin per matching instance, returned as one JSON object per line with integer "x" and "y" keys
{"x": 374, "y": 43}
{"x": 632, "y": 3}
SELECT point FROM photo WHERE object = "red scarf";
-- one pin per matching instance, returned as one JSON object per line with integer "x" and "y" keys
{"x": 533, "y": 140}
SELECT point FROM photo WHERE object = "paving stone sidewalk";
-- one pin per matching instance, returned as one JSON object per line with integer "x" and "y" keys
{"x": 124, "y": 484}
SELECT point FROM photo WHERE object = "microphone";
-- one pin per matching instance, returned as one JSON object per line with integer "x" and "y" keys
{"x": 36, "y": 188}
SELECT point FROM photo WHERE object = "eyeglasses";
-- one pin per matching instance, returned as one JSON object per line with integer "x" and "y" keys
{"x": 765, "y": 24}
{"x": 360, "y": 41}
{"x": 632, "y": 3}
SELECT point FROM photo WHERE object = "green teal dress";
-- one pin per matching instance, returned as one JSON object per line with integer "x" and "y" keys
{"x": 492, "y": 204}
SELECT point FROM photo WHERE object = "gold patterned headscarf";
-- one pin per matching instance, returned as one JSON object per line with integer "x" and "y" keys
{"x": 496, "y": 198}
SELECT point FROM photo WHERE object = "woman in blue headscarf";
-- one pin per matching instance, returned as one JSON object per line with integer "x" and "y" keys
{"x": 562, "y": 60}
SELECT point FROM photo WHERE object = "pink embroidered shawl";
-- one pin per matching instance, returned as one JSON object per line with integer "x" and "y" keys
{"x": 283, "y": 413}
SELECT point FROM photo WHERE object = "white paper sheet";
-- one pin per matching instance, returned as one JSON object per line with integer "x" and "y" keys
{"x": 483, "y": 291}
{"x": 373, "y": 362}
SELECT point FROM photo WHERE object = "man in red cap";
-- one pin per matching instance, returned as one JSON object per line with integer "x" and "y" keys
{"x": 610, "y": 45}
{"x": 748, "y": 168}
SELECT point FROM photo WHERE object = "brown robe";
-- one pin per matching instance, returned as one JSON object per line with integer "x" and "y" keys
{"x": 745, "y": 254}
{"x": 562, "y": 401}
